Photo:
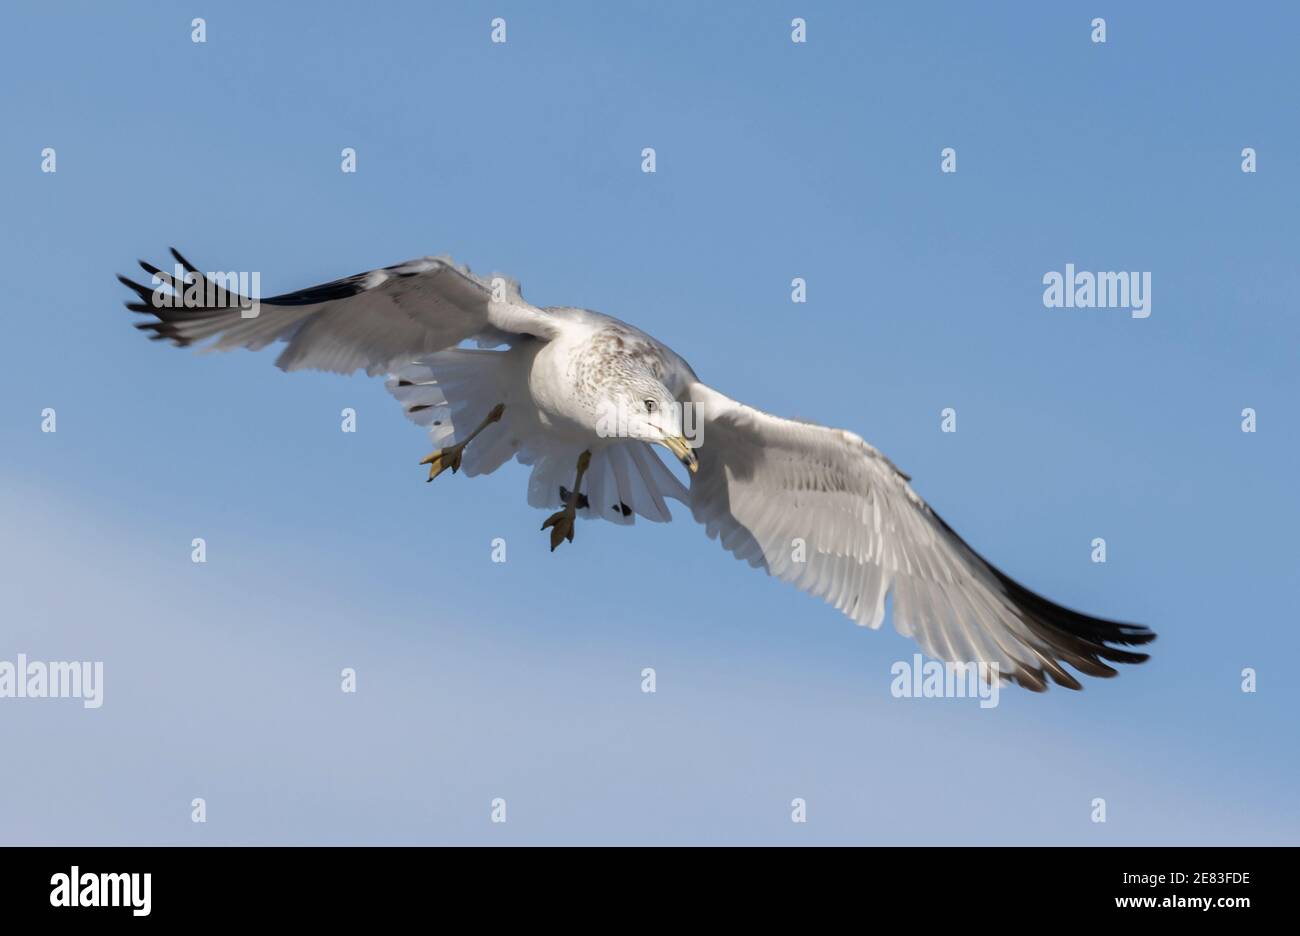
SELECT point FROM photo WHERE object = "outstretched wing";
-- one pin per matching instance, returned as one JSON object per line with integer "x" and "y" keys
{"x": 822, "y": 509}
{"x": 369, "y": 321}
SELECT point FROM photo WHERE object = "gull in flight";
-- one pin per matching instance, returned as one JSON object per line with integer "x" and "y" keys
{"x": 582, "y": 397}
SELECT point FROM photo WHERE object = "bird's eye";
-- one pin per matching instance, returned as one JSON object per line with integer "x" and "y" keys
{"x": 649, "y": 406}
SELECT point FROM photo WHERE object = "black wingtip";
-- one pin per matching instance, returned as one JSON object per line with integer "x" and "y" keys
{"x": 144, "y": 293}
{"x": 1060, "y": 635}
{"x": 189, "y": 267}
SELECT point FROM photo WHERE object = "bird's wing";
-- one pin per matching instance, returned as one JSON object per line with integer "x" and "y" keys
{"x": 822, "y": 509}
{"x": 365, "y": 321}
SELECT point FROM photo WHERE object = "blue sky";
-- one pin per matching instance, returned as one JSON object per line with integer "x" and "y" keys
{"x": 522, "y": 680}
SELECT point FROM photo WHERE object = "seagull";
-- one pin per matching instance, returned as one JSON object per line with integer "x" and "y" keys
{"x": 582, "y": 397}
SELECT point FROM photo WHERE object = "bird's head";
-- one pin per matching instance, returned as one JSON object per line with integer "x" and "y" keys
{"x": 646, "y": 410}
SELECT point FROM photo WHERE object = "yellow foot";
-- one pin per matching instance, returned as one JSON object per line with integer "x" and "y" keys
{"x": 561, "y": 524}
{"x": 449, "y": 457}
{"x": 443, "y": 459}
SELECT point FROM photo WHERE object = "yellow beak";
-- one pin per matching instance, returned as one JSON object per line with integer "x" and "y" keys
{"x": 682, "y": 449}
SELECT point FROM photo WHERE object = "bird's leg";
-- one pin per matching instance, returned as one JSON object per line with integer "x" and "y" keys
{"x": 561, "y": 522}
{"x": 449, "y": 457}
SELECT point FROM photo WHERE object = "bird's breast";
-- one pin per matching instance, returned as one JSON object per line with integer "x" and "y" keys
{"x": 565, "y": 397}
